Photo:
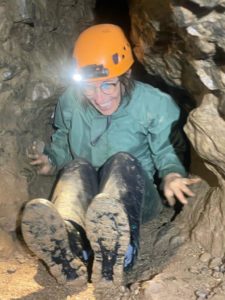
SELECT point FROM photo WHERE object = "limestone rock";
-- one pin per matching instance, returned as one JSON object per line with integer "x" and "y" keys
{"x": 37, "y": 37}
{"x": 208, "y": 3}
{"x": 209, "y": 142}
{"x": 12, "y": 198}
{"x": 186, "y": 33}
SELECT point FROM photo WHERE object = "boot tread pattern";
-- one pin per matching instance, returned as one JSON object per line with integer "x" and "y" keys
{"x": 45, "y": 234}
{"x": 108, "y": 231}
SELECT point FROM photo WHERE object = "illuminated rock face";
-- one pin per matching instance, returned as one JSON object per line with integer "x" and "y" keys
{"x": 205, "y": 128}
{"x": 36, "y": 39}
{"x": 182, "y": 42}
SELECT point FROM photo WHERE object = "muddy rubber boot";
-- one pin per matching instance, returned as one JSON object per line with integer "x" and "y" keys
{"x": 108, "y": 230}
{"x": 46, "y": 234}
{"x": 72, "y": 195}
{"x": 113, "y": 221}
{"x": 54, "y": 230}
{"x": 75, "y": 190}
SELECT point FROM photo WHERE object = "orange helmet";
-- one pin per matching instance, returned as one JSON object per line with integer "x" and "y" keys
{"x": 102, "y": 52}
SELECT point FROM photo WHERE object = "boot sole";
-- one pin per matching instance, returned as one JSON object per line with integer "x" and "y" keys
{"x": 107, "y": 225}
{"x": 45, "y": 233}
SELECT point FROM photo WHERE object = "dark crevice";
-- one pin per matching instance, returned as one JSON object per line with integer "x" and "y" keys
{"x": 196, "y": 9}
{"x": 114, "y": 12}
{"x": 219, "y": 57}
{"x": 220, "y": 9}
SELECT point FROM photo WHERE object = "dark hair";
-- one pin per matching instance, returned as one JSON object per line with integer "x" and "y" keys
{"x": 128, "y": 84}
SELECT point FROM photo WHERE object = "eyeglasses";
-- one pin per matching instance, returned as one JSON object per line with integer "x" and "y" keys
{"x": 107, "y": 88}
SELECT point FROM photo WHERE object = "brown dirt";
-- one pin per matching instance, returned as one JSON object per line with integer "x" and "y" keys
{"x": 24, "y": 277}
{"x": 184, "y": 278}
{"x": 190, "y": 275}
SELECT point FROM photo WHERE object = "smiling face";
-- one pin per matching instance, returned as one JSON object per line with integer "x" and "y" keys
{"x": 104, "y": 95}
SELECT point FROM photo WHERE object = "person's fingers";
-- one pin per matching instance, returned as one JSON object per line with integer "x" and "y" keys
{"x": 180, "y": 189}
{"x": 171, "y": 200}
{"x": 177, "y": 189}
{"x": 47, "y": 169}
{"x": 189, "y": 181}
{"x": 186, "y": 190}
{"x": 180, "y": 196}
{"x": 169, "y": 194}
{"x": 36, "y": 162}
{"x": 33, "y": 156}
{"x": 38, "y": 159}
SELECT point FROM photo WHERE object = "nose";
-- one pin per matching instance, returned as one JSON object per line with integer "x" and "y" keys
{"x": 99, "y": 96}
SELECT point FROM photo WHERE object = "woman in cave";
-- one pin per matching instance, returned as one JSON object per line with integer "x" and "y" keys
{"x": 113, "y": 134}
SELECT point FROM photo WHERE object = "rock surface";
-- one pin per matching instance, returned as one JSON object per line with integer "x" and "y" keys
{"x": 182, "y": 42}
{"x": 36, "y": 38}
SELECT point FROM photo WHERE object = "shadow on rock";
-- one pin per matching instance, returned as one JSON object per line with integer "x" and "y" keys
{"x": 160, "y": 239}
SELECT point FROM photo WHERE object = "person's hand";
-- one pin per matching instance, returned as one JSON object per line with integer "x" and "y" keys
{"x": 40, "y": 160}
{"x": 176, "y": 187}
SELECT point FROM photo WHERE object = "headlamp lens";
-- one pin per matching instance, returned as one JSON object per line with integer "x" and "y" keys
{"x": 91, "y": 72}
{"x": 77, "y": 77}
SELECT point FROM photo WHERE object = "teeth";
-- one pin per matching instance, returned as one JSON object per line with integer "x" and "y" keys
{"x": 105, "y": 104}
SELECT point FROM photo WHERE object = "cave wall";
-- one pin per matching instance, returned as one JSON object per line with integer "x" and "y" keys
{"x": 183, "y": 43}
{"x": 37, "y": 38}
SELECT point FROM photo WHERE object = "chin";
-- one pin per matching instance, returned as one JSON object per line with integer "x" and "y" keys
{"x": 108, "y": 112}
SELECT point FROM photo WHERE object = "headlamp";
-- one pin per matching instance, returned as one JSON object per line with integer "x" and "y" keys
{"x": 91, "y": 72}
{"x": 77, "y": 77}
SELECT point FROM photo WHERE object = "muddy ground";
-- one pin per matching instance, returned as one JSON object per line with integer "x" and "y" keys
{"x": 166, "y": 270}
{"x": 184, "y": 278}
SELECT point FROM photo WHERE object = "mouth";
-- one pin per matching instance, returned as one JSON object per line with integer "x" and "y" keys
{"x": 105, "y": 105}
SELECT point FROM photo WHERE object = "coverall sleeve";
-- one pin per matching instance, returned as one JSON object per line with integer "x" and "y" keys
{"x": 59, "y": 149}
{"x": 166, "y": 141}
